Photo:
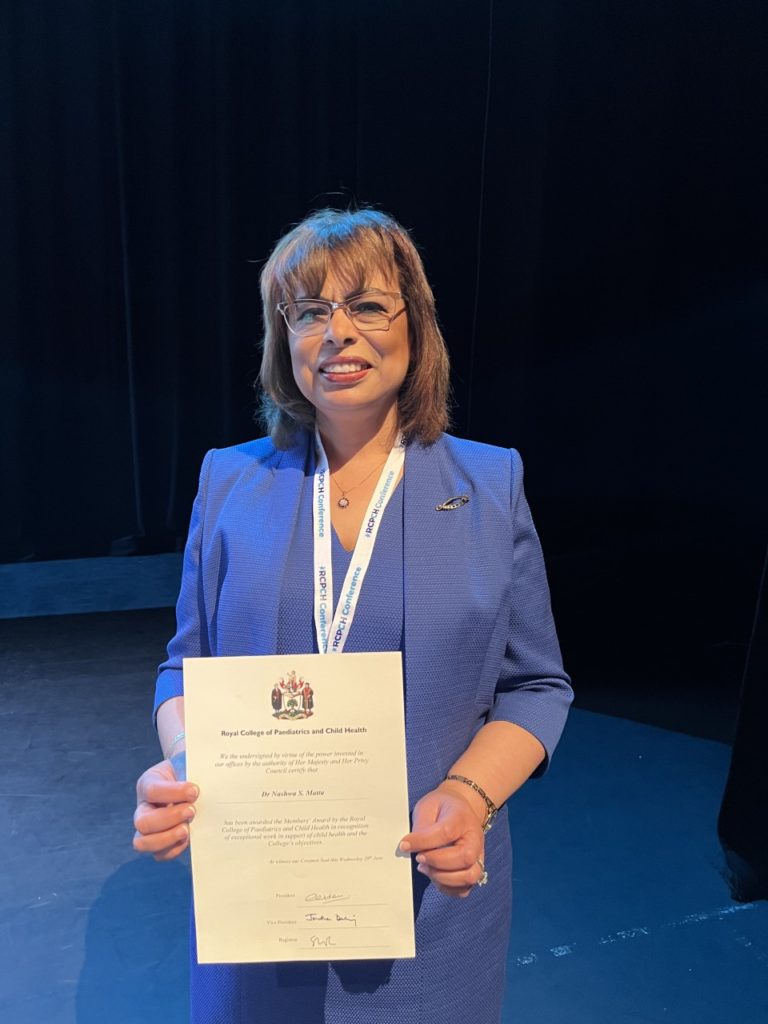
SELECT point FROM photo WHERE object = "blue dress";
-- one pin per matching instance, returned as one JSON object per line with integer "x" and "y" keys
{"x": 345, "y": 992}
{"x": 464, "y": 595}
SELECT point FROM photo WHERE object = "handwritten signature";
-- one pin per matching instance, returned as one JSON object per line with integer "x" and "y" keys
{"x": 351, "y": 918}
{"x": 321, "y": 940}
{"x": 325, "y": 897}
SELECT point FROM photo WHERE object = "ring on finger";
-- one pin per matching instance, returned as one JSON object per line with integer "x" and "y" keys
{"x": 483, "y": 879}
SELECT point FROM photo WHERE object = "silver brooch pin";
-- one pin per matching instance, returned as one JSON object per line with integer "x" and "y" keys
{"x": 452, "y": 503}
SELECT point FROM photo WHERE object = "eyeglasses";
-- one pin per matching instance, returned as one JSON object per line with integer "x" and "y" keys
{"x": 371, "y": 311}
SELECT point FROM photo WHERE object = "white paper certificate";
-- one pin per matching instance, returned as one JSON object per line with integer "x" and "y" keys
{"x": 300, "y": 760}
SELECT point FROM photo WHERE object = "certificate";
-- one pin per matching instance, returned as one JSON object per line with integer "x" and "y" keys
{"x": 300, "y": 760}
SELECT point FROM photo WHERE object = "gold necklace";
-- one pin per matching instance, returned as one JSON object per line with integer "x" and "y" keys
{"x": 343, "y": 501}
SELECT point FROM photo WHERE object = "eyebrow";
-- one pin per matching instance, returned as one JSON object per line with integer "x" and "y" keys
{"x": 349, "y": 295}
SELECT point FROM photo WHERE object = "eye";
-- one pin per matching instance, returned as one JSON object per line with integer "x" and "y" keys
{"x": 307, "y": 313}
{"x": 368, "y": 306}
{"x": 372, "y": 306}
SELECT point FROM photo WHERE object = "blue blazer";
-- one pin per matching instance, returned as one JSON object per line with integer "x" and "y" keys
{"x": 479, "y": 645}
{"x": 479, "y": 639}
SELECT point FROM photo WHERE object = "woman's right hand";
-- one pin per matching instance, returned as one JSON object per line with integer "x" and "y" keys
{"x": 164, "y": 806}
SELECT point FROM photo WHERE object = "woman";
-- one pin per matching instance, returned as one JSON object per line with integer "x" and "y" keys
{"x": 355, "y": 372}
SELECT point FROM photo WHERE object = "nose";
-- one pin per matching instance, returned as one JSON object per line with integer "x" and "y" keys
{"x": 340, "y": 330}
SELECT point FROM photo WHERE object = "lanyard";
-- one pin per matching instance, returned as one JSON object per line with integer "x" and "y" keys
{"x": 332, "y": 632}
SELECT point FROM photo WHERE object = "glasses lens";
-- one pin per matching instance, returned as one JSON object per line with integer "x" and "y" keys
{"x": 306, "y": 316}
{"x": 373, "y": 309}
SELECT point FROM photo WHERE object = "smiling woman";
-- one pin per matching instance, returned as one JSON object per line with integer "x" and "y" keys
{"x": 435, "y": 535}
{"x": 350, "y": 357}
{"x": 338, "y": 256}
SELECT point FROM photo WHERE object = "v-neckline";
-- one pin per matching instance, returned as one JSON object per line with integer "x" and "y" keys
{"x": 350, "y": 551}
{"x": 337, "y": 540}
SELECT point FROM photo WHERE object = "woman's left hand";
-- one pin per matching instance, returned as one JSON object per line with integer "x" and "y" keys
{"x": 447, "y": 839}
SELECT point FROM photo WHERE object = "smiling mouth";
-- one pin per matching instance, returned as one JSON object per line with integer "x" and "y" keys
{"x": 339, "y": 369}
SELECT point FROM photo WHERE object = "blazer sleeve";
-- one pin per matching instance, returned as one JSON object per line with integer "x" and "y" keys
{"x": 533, "y": 690}
{"x": 191, "y": 637}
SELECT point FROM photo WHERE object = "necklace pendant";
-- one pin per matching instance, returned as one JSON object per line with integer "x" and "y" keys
{"x": 343, "y": 502}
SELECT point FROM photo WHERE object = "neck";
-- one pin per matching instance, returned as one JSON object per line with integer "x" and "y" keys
{"x": 353, "y": 438}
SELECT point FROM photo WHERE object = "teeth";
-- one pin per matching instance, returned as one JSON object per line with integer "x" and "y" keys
{"x": 344, "y": 368}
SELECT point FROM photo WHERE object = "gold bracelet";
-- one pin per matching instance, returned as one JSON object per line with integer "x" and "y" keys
{"x": 493, "y": 810}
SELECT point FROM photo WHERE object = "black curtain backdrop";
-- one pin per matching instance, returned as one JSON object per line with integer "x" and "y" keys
{"x": 586, "y": 182}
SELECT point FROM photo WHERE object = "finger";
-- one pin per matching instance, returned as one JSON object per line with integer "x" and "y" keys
{"x": 455, "y": 890}
{"x": 456, "y": 893}
{"x": 458, "y": 857}
{"x": 442, "y": 833}
{"x": 172, "y": 851}
{"x": 148, "y": 818}
{"x": 154, "y": 789}
{"x": 157, "y": 842}
{"x": 453, "y": 879}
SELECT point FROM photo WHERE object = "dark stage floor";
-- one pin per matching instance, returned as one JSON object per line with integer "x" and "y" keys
{"x": 621, "y": 912}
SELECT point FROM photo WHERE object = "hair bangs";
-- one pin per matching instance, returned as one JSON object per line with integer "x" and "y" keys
{"x": 354, "y": 255}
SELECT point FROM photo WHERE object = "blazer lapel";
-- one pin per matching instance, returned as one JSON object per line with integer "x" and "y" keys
{"x": 277, "y": 519}
{"x": 431, "y": 541}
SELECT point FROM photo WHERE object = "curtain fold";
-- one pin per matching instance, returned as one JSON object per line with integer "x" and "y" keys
{"x": 601, "y": 192}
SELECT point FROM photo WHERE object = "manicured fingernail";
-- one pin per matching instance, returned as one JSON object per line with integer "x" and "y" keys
{"x": 422, "y": 868}
{"x": 420, "y": 858}
{"x": 189, "y": 813}
{"x": 405, "y": 846}
{"x": 193, "y": 792}
{"x": 183, "y": 832}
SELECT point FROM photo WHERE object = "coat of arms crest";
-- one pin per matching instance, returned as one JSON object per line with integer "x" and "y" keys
{"x": 292, "y": 698}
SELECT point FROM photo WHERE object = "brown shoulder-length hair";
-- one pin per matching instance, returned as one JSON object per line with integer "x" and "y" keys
{"x": 354, "y": 243}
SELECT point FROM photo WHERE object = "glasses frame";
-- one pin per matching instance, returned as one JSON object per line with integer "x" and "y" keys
{"x": 282, "y": 308}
